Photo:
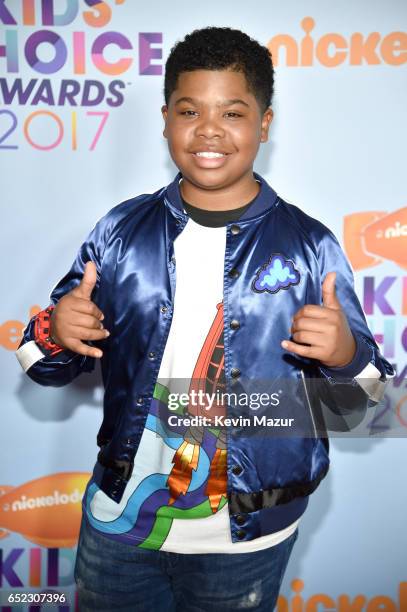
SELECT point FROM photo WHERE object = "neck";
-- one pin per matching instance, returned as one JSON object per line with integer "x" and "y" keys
{"x": 233, "y": 196}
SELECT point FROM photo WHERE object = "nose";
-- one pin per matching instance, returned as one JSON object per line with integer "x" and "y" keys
{"x": 209, "y": 126}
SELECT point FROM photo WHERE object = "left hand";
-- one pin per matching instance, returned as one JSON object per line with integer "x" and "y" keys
{"x": 322, "y": 332}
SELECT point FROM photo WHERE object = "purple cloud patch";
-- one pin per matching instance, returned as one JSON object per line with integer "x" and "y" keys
{"x": 278, "y": 273}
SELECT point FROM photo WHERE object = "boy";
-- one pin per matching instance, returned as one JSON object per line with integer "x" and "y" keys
{"x": 204, "y": 280}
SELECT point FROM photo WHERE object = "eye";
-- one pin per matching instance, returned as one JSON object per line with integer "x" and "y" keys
{"x": 188, "y": 113}
{"x": 233, "y": 115}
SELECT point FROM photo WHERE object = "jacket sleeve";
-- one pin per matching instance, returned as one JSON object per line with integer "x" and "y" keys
{"x": 368, "y": 370}
{"x": 62, "y": 368}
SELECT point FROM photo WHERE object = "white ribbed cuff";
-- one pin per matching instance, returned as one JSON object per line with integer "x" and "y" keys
{"x": 28, "y": 354}
{"x": 368, "y": 379}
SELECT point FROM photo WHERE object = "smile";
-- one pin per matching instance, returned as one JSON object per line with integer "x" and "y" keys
{"x": 210, "y": 160}
{"x": 209, "y": 154}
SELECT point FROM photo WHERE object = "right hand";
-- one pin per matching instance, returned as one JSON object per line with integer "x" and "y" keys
{"x": 76, "y": 318}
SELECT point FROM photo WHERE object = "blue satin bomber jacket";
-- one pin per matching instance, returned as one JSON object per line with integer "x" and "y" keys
{"x": 269, "y": 479}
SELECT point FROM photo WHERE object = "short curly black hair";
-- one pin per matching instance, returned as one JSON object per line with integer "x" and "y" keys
{"x": 215, "y": 48}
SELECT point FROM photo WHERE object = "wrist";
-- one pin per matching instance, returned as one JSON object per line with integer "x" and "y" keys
{"x": 360, "y": 359}
{"x": 348, "y": 357}
{"x": 43, "y": 332}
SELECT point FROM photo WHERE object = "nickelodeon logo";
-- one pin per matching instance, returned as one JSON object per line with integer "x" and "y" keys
{"x": 393, "y": 232}
{"x": 371, "y": 237}
{"x": 344, "y": 603}
{"x": 55, "y": 499}
{"x": 332, "y": 49}
{"x": 11, "y": 331}
{"x": 46, "y": 511}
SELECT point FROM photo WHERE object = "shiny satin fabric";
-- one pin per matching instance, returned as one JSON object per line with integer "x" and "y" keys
{"x": 275, "y": 261}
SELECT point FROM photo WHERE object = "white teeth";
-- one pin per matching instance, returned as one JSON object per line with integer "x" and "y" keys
{"x": 209, "y": 154}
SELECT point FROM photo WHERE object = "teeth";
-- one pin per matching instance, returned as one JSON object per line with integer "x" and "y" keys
{"x": 209, "y": 154}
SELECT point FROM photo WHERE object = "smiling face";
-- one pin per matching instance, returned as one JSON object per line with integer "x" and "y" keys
{"x": 214, "y": 127}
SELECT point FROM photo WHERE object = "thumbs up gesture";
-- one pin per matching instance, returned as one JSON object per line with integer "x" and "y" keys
{"x": 322, "y": 332}
{"x": 76, "y": 318}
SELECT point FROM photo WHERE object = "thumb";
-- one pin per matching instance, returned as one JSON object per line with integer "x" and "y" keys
{"x": 329, "y": 298}
{"x": 88, "y": 282}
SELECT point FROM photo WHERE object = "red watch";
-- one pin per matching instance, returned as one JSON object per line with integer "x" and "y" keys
{"x": 42, "y": 332}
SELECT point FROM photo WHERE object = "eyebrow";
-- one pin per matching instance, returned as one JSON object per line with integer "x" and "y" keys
{"x": 225, "y": 103}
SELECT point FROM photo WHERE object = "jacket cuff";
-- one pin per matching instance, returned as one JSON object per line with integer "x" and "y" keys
{"x": 362, "y": 357}
{"x": 30, "y": 351}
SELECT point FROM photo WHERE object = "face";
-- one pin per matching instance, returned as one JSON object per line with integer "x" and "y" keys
{"x": 214, "y": 127}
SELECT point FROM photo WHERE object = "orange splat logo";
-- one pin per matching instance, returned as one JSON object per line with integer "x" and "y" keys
{"x": 46, "y": 511}
{"x": 371, "y": 237}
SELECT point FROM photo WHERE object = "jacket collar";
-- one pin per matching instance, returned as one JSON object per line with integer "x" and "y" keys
{"x": 266, "y": 198}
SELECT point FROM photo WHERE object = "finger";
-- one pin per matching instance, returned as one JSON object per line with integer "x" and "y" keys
{"x": 87, "y": 307}
{"x": 84, "y": 333}
{"x": 312, "y": 338}
{"x": 308, "y": 324}
{"x": 84, "y": 320}
{"x": 300, "y": 349}
{"x": 84, "y": 349}
{"x": 313, "y": 311}
{"x": 329, "y": 297}
{"x": 88, "y": 281}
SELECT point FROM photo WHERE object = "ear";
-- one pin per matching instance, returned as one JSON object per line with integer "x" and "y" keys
{"x": 164, "y": 112}
{"x": 265, "y": 124}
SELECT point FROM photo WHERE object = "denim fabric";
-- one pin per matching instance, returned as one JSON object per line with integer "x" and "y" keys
{"x": 113, "y": 576}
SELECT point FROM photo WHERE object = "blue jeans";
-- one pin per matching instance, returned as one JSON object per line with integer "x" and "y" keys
{"x": 114, "y": 576}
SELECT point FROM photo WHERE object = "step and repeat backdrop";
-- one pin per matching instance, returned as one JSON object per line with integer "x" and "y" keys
{"x": 81, "y": 85}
